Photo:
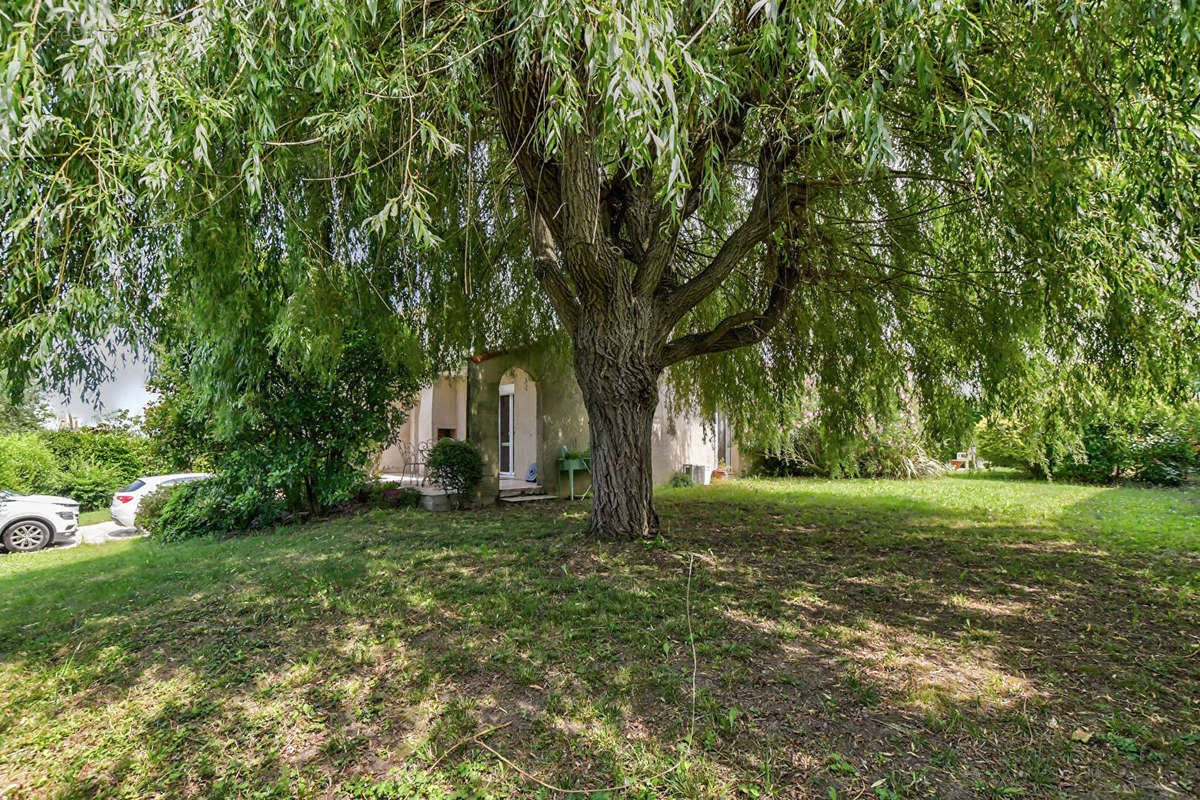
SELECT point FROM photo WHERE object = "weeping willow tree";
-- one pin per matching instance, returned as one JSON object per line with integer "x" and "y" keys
{"x": 984, "y": 202}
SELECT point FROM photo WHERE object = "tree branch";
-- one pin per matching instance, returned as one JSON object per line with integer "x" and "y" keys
{"x": 772, "y": 204}
{"x": 725, "y": 135}
{"x": 564, "y": 194}
{"x": 518, "y": 104}
{"x": 745, "y": 328}
{"x": 742, "y": 329}
{"x": 591, "y": 255}
{"x": 547, "y": 271}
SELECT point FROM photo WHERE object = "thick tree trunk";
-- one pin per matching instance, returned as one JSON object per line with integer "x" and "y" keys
{"x": 619, "y": 381}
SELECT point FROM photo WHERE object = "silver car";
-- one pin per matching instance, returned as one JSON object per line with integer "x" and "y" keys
{"x": 125, "y": 502}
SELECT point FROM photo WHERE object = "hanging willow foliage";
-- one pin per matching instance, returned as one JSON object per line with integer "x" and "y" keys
{"x": 993, "y": 203}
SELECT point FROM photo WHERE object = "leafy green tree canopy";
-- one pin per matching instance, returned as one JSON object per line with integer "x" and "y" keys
{"x": 24, "y": 415}
{"x": 990, "y": 201}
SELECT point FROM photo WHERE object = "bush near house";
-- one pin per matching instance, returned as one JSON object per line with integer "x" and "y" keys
{"x": 406, "y": 497}
{"x": 219, "y": 505}
{"x": 456, "y": 466}
{"x": 680, "y": 480}
{"x": 150, "y": 509}
{"x": 286, "y": 439}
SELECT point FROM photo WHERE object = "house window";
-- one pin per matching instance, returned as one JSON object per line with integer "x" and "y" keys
{"x": 445, "y": 433}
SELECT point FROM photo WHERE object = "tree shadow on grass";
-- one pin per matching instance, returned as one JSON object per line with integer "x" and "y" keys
{"x": 835, "y": 648}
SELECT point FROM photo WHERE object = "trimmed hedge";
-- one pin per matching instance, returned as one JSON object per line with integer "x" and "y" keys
{"x": 88, "y": 465}
{"x": 27, "y": 465}
{"x": 91, "y": 485}
{"x": 124, "y": 452}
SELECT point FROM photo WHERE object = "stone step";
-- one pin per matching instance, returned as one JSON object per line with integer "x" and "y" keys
{"x": 518, "y": 491}
{"x": 526, "y": 498}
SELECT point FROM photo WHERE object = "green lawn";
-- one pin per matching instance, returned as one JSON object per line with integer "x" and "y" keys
{"x": 92, "y": 517}
{"x": 951, "y": 638}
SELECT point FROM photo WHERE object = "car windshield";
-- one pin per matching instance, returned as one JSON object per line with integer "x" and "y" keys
{"x": 133, "y": 487}
{"x": 5, "y": 494}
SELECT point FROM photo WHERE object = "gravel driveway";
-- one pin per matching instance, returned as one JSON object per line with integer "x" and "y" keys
{"x": 103, "y": 532}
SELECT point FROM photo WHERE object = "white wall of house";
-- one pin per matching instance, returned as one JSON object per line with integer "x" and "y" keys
{"x": 424, "y": 416}
{"x": 450, "y": 406}
{"x": 679, "y": 439}
{"x": 442, "y": 405}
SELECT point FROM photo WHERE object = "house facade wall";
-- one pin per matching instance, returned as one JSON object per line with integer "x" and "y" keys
{"x": 449, "y": 405}
{"x": 442, "y": 405}
{"x": 557, "y": 413}
{"x": 560, "y": 419}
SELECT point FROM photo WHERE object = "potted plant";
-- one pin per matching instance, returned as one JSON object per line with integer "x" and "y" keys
{"x": 574, "y": 460}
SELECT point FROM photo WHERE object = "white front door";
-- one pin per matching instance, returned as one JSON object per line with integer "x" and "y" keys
{"x": 507, "y": 457}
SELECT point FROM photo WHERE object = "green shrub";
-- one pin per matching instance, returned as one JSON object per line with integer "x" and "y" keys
{"x": 382, "y": 495}
{"x": 91, "y": 485}
{"x": 125, "y": 453}
{"x": 1151, "y": 444}
{"x": 373, "y": 493}
{"x": 680, "y": 480}
{"x": 305, "y": 431}
{"x": 1166, "y": 459}
{"x": 457, "y": 467}
{"x": 150, "y": 509}
{"x": 408, "y": 497}
{"x": 27, "y": 465}
{"x": 895, "y": 452}
{"x": 1105, "y": 454}
{"x": 215, "y": 506}
{"x": 894, "y": 449}
{"x": 1168, "y": 449}
{"x": 804, "y": 457}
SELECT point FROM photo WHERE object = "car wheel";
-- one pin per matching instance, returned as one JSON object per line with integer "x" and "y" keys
{"x": 26, "y": 536}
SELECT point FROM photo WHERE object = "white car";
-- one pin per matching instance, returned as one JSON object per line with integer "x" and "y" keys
{"x": 29, "y": 522}
{"x": 125, "y": 502}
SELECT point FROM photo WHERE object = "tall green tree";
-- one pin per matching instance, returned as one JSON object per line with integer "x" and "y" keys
{"x": 990, "y": 200}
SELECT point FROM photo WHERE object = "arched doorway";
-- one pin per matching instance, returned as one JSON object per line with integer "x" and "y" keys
{"x": 518, "y": 423}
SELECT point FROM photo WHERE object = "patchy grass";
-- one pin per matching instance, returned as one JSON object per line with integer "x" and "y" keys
{"x": 92, "y": 517}
{"x": 962, "y": 637}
